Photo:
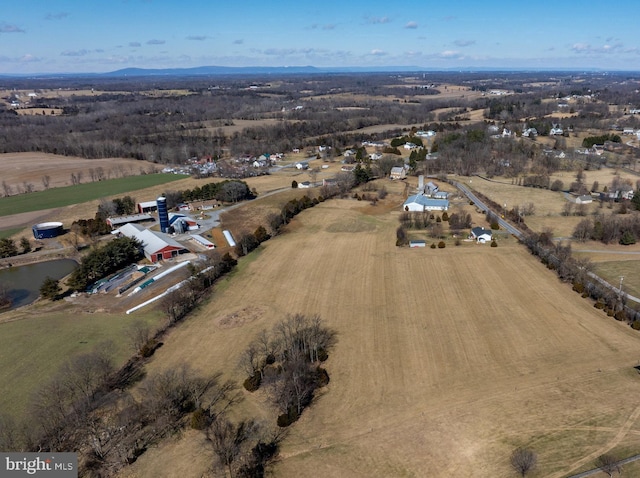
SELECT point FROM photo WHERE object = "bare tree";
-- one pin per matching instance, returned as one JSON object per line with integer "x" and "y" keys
{"x": 228, "y": 439}
{"x": 8, "y": 434}
{"x": 608, "y": 464}
{"x": 523, "y": 460}
{"x": 46, "y": 180}
{"x": 7, "y": 189}
{"x": 139, "y": 335}
{"x": 313, "y": 175}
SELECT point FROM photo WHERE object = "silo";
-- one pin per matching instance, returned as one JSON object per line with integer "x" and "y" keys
{"x": 47, "y": 230}
{"x": 163, "y": 214}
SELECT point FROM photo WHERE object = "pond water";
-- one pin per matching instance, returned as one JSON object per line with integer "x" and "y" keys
{"x": 23, "y": 282}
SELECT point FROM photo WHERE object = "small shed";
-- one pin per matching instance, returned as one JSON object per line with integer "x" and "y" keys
{"x": 417, "y": 243}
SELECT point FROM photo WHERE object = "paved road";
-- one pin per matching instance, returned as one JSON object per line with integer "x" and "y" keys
{"x": 503, "y": 224}
{"x": 598, "y": 470}
{"x": 214, "y": 214}
{"x": 517, "y": 233}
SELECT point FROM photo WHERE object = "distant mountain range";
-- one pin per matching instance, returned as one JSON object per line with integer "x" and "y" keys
{"x": 276, "y": 70}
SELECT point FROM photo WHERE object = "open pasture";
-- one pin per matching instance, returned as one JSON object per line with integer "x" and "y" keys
{"x": 81, "y": 193}
{"x": 31, "y": 168}
{"x": 446, "y": 359}
{"x": 36, "y": 340}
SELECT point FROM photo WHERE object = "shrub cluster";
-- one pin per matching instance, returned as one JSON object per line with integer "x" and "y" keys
{"x": 416, "y": 220}
{"x": 624, "y": 229}
{"x": 229, "y": 190}
{"x": 287, "y": 361}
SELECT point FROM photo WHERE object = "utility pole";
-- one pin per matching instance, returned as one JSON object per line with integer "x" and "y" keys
{"x": 620, "y": 289}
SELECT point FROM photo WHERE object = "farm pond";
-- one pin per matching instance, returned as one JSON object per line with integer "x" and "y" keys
{"x": 23, "y": 282}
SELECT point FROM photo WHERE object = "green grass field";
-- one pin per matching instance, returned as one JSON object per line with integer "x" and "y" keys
{"x": 612, "y": 271}
{"x": 80, "y": 193}
{"x": 33, "y": 349}
{"x": 10, "y": 232}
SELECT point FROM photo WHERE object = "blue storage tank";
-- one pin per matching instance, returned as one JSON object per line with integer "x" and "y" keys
{"x": 46, "y": 230}
{"x": 163, "y": 214}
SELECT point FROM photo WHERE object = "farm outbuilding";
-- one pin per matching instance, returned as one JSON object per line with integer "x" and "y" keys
{"x": 46, "y": 230}
{"x": 118, "y": 221}
{"x": 148, "y": 206}
{"x": 420, "y": 203}
{"x": 156, "y": 246}
{"x": 182, "y": 223}
{"x": 203, "y": 241}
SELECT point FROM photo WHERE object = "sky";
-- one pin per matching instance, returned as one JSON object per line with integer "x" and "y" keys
{"x": 95, "y": 36}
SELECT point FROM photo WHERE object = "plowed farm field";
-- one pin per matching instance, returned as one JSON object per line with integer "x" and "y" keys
{"x": 446, "y": 359}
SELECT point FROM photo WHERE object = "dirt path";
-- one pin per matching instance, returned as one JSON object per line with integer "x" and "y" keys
{"x": 590, "y": 458}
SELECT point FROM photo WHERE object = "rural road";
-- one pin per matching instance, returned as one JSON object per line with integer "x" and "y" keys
{"x": 503, "y": 224}
{"x": 517, "y": 233}
{"x": 598, "y": 470}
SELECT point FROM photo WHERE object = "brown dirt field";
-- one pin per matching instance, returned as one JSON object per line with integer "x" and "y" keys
{"x": 503, "y": 192}
{"x": 18, "y": 168}
{"x": 446, "y": 360}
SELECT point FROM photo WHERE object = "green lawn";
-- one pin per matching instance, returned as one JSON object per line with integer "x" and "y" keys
{"x": 612, "y": 271}
{"x": 10, "y": 232}
{"x": 59, "y": 197}
{"x": 34, "y": 348}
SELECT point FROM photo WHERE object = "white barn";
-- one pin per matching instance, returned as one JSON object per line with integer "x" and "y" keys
{"x": 419, "y": 203}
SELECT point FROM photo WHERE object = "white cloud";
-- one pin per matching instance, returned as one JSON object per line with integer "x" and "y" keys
{"x": 377, "y": 52}
{"x": 377, "y": 20}
{"x": 7, "y": 28}
{"x": 411, "y": 25}
{"x": 463, "y": 43}
{"x": 75, "y": 53}
{"x": 586, "y": 48}
{"x": 29, "y": 58}
{"x": 56, "y": 16}
{"x": 156, "y": 42}
{"x": 197, "y": 37}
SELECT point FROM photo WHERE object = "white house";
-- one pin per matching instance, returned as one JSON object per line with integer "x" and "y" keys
{"x": 398, "y": 172}
{"x": 556, "y": 131}
{"x": 481, "y": 235}
{"x": 584, "y": 199}
{"x": 419, "y": 203}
